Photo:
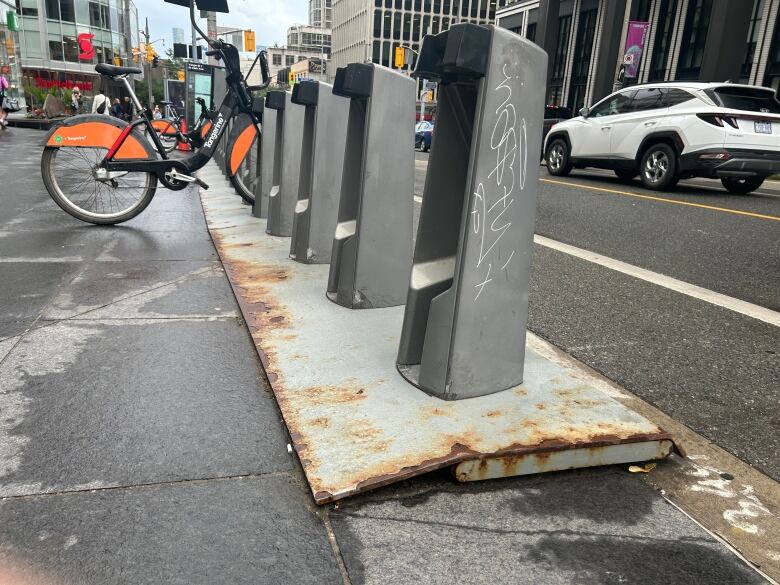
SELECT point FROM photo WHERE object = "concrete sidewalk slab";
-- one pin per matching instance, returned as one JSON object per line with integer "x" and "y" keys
{"x": 357, "y": 424}
{"x": 135, "y": 401}
{"x": 241, "y": 531}
{"x": 589, "y": 527}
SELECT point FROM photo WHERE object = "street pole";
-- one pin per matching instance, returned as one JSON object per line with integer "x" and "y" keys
{"x": 424, "y": 91}
{"x": 149, "y": 68}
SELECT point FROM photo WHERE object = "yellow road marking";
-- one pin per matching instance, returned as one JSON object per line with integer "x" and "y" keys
{"x": 664, "y": 200}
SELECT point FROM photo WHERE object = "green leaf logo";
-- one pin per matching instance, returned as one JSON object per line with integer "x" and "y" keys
{"x": 58, "y": 139}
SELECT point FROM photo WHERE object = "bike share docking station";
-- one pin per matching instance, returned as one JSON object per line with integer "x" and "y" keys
{"x": 495, "y": 401}
{"x": 372, "y": 246}
{"x": 325, "y": 123}
{"x": 286, "y": 163}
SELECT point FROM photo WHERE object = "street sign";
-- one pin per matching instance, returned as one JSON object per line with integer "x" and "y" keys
{"x": 12, "y": 20}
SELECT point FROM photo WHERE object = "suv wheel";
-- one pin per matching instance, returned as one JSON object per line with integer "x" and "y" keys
{"x": 742, "y": 186}
{"x": 557, "y": 157}
{"x": 658, "y": 167}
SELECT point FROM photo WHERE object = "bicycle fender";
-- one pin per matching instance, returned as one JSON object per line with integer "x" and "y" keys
{"x": 99, "y": 131}
{"x": 242, "y": 137}
{"x": 164, "y": 127}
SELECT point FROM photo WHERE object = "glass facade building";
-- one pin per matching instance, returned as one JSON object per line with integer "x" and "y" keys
{"x": 10, "y": 54}
{"x": 369, "y": 30}
{"x": 53, "y": 34}
{"x": 690, "y": 40}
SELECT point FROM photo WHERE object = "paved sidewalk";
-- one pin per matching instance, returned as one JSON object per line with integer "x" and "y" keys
{"x": 139, "y": 442}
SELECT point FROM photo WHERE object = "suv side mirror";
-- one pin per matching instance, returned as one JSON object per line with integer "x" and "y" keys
{"x": 584, "y": 112}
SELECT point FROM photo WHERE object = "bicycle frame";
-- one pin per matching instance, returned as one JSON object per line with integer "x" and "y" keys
{"x": 229, "y": 108}
{"x": 237, "y": 101}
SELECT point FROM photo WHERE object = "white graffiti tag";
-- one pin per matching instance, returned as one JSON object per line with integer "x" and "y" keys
{"x": 493, "y": 196}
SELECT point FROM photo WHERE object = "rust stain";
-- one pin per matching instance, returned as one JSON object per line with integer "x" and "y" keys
{"x": 492, "y": 413}
{"x": 541, "y": 406}
{"x": 322, "y": 422}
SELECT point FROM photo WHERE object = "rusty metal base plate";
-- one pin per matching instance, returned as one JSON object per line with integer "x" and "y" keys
{"x": 357, "y": 424}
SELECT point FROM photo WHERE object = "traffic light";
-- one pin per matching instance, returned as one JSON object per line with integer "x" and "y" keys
{"x": 249, "y": 41}
{"x": 150, "y": 55}
{"x": 400, "y": 58}
{"x": 136, "y": 54}
{"x": 180, "y": 75}
{"x": 291, "y": 78}
{"x": 155, "y": 61}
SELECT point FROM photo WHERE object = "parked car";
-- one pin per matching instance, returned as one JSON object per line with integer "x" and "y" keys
{"x": 553, "y": 115}
{"x": 423, "y": 134}
{"x": 665, "y": 132}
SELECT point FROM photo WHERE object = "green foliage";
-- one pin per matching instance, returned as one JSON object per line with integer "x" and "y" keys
{"x": 37, "y": 95}
{"x": 141, "y": 90}
{"x": 173, "y": 64}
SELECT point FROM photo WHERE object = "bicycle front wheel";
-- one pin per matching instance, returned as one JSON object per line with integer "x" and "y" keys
{"x": 73, "y": 180}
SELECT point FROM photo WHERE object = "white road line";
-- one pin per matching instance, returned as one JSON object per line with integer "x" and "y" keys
{"x": 691, "y": 290}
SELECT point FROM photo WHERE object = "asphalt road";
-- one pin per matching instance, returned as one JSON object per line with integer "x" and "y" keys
{"x": 713, "y": 368}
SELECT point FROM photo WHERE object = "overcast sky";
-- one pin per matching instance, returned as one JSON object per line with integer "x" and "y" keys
{"x": 268, "y": 18}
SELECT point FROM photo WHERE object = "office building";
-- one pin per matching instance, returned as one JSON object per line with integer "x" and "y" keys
{"x": 52, "y": 39}
{"x": 320, "y": 13}
{"x": 369, "y": 30}
{"x": 178, "y": 35}
{"x": 592, "y": 52}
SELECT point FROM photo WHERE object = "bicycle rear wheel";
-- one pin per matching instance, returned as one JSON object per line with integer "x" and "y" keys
{"x": 70, "y": 176}
{"x": 246, "y": 178}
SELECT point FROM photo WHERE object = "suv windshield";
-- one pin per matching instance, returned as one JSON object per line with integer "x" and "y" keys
{"x": 746, "y": 98}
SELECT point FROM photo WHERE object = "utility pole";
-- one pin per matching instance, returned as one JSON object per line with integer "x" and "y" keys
{"x": 149, "y": 67}
{"x": 194, "y": 45}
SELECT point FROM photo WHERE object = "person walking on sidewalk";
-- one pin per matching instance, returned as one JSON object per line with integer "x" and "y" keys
{"x": 100, "y": 104}
{"x": 116, "y": 109}
{"x": 4, "y": 87}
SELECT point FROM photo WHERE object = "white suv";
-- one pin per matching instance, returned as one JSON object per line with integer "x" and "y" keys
{"x": 670, "y": 131}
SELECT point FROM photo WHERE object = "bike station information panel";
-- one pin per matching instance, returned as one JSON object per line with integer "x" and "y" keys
{"x": 202, "y": 81}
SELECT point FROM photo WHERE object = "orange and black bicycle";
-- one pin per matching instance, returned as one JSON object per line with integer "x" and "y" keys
{"x": 104, "y": 170}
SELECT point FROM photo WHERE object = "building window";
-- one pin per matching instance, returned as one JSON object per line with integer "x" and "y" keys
{"x": 554, "y": 94}
{"x": 276, "y": 59}
{"x": 289, "y": 60}
{"x": 530, "y": 32}
{"x": 67, "y": 11}
{"x": 71, "y": 49}
{"x": 53, "y": 9}
{"x": 582, "y": 54}
{"x": 752, "y": 40}
{"x": 55, "y": 51}
{"x": 663, "y": 36}
{"x": 772, "y": 76}
{"x": 697, "y": 23}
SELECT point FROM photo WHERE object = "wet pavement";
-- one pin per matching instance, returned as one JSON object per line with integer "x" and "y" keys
{"x": 139, "y": 442}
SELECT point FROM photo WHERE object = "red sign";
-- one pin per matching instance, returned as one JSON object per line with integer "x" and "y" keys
{"x": 86, "y": 50}
{"x": 47, "y": 83}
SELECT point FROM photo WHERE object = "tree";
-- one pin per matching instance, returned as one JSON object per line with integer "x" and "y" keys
{"x": 158, "y": 91}
{"x": 173, "y": 65}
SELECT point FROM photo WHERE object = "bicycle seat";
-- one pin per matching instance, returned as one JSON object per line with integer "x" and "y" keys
{"x": 114, "y": 71}
{"x": 164, "y": 103}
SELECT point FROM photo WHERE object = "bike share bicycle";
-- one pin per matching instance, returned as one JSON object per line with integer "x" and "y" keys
{"x": 104, "y": 171}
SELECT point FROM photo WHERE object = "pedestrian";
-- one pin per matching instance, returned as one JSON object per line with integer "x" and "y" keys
{"x": 100, "y": 104}
{"x": 157, "y": 114}
{"x": 127, "y": 110}
{"x": 4, "y": 87}
{"x": 116, "y": 109}
{"x": 75, "y": 99}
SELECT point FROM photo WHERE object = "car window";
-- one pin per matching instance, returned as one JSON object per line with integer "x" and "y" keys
{"x": 748, "y": 99}
{"x": 675, "y": 97}
{"x": 617, "y": 104}
{"x": 647, "y": 99}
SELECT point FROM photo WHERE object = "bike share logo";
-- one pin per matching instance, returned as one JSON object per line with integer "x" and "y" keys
{"x": 58, "y": 139}
{"x": 217, "y": 127}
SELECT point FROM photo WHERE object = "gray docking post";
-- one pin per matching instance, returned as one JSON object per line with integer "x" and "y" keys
{"x": 287, "y": 162}
{"x": 372, "y": 247}
{"x": 322, "y": 162}
{"x": 465, "y": 321}
{"x": 267, "y": 149}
